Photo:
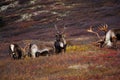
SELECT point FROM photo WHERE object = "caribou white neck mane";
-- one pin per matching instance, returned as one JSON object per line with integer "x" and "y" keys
{"x": 34, "y": 49}
{"x": 12, "y": 47}
{"x": 61, "y": 44}
{"x": 110, "y": 34}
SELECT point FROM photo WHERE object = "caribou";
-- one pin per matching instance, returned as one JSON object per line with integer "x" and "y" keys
{"x": 15, "y": 51}
{"x": 35, "y": 52}
{"x": 60, "y": 42}
{"x": 110, "y": 38}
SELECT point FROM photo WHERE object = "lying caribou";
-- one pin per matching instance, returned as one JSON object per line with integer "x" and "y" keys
{"x": 35, "y": 52}
{"x": 111, "y": 36}
{"x": 60, "y": 42}
{"x": 15, "y": 51}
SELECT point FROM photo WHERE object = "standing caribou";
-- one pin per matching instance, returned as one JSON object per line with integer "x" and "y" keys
{"x": 15, "y": 51}
{"x": 111, "y": 36}
{"x": 60, "y": 42}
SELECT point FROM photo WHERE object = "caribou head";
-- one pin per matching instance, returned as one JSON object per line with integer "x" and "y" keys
{"x": 60, "y": 42}
{"x": 111, "y": 36}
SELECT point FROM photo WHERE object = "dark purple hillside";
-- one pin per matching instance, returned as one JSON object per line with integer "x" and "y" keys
{"x": 35, "y": 19}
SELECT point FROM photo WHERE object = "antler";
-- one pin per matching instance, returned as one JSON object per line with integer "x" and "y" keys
{"x": 57, "y": 29}
{"x": 103, "y": 28}
{"x": 63, "y": 30}
{"x": 91, "y": 31}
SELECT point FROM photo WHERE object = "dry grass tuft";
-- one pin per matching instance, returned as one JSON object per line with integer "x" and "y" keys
{"x": 78, "y": 48}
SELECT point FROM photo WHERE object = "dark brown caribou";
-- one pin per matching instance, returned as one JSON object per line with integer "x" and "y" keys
{"x": 60, "y": 42}
{"x": 15, "y": 51}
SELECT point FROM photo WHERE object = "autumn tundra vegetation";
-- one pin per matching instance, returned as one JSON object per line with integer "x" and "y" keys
{"x": 56, "y": 40}
{"x": 80, "y": 62}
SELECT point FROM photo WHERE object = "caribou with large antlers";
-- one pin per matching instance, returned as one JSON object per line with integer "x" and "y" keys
{"x": 60, "y": 42}
{"x": 111, "y": 36}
